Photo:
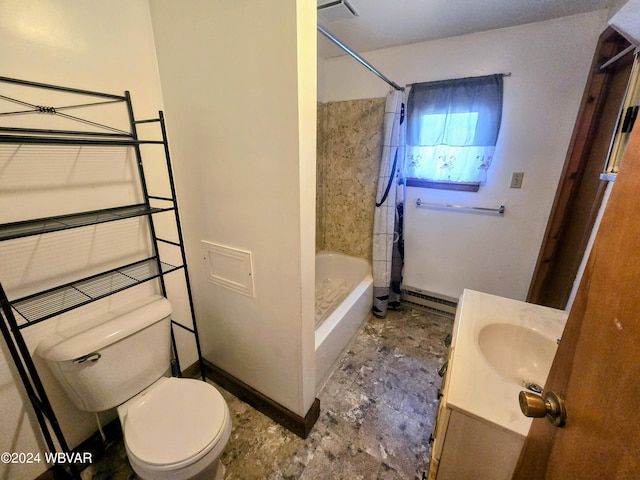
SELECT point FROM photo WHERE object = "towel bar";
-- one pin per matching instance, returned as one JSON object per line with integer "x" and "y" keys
{"x": 498, "y": 211}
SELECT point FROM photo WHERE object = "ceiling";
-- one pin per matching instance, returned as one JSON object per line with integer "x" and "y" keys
{"x": 390, "y": 23}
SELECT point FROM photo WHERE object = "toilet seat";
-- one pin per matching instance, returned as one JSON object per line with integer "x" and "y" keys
{"x": 175, "y": 422}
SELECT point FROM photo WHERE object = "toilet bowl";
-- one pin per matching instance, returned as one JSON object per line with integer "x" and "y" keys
{"x": 173, "y": 428}
{"x": 176, "y": 429}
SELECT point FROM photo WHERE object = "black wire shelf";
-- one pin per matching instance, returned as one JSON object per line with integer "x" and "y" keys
{"x": 41, "y": 306}
{"x": 103, "y": 142}
{"x": 80, "y": 111}
{"x": 26, "y": 228}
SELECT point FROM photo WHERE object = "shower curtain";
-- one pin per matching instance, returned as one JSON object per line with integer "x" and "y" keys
{"x": 387, "y": 227}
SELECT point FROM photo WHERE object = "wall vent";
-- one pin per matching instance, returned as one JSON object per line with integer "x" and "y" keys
{"x": 336, "y": 10}
{"x": 229, "y": 267}
{"x": 433, "y": 302}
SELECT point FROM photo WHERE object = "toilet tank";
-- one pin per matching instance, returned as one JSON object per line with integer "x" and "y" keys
{"x": 123, "y": 352}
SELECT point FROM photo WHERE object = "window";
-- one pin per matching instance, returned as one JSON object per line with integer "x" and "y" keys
{"x": 452, "y": 130}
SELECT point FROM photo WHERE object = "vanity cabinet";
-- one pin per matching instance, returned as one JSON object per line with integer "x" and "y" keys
{"x": 469, "y": 448}
{"x": 479, "y": 429}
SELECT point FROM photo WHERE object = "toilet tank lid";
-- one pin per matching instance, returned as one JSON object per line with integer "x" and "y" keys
{"x": 106, "y": 330}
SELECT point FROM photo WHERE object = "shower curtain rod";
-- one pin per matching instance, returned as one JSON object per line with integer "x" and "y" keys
{"x": 358, "y": 57}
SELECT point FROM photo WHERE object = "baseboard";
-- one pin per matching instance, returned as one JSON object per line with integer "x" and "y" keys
{"x": 433, "y": 302}
{"x": 301, "y": 426}
{"x": 192, "y": 371}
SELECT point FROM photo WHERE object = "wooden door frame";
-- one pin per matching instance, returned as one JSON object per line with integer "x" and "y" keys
{"x": 562, "y": 248}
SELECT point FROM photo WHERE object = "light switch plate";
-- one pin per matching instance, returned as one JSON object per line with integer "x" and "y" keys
{"x": 516, "y": 180}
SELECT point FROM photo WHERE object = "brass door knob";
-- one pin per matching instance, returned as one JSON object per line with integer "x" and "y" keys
{"x": 549, "y": 405}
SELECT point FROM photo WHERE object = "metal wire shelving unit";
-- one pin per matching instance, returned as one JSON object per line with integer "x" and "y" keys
{"x": 24, "y": 312}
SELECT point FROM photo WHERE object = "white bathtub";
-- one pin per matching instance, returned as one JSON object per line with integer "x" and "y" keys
{"x": 344, "y": 294}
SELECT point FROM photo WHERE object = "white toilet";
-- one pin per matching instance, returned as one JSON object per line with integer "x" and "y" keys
{"x": 174, "y": 428}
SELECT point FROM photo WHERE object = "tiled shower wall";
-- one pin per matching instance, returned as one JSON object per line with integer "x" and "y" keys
{"x": 348, "y": 158}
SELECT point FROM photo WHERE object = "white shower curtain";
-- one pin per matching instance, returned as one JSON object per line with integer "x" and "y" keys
{"x": 387, "y": 226}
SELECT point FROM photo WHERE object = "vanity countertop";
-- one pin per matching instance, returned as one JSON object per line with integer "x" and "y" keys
{"x": 473, "y": 385}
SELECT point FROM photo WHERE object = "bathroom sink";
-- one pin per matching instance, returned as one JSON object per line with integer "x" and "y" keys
{"x": 500, "y": 347}
{"x": 517, "y": 352}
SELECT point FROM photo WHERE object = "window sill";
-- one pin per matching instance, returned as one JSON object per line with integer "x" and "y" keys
{"x": 460, "y": 187}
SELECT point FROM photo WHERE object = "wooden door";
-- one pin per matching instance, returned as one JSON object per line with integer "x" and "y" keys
{"x": 597, "y": 366}
{"x": 580, "y": 189}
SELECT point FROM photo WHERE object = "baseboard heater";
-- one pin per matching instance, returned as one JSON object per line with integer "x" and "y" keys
{"x": 433, "y": 302}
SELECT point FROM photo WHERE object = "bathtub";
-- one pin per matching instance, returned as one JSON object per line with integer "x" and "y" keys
{"x": 344, "y": 295}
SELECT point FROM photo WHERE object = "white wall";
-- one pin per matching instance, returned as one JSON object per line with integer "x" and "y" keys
{"x": 447, "y": 251}
{"x": 264, "y": 180}
{"x": 101, "y": 46}
{"x": 239, "y": 81}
